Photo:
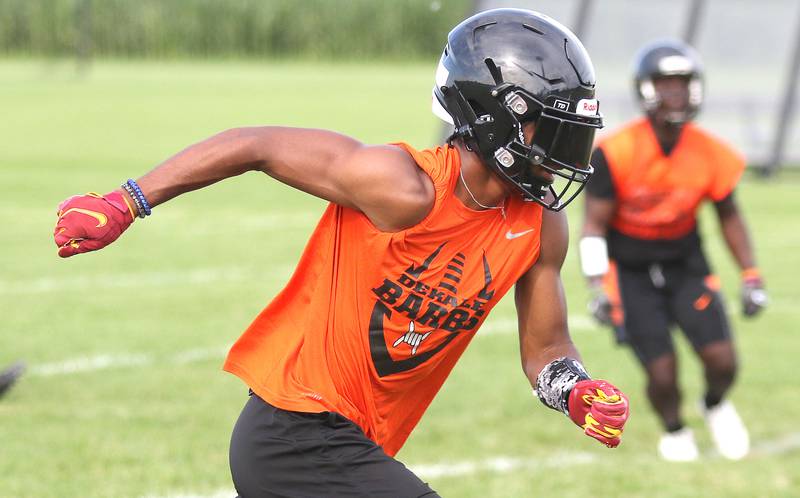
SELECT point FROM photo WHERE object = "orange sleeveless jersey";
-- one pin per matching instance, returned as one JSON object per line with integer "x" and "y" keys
{"x": 658, "y": 196}
{"x": 371, "y": 323}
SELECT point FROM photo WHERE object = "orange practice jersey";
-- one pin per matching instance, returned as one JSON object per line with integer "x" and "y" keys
{"x": 658, "y": 196}
{"x": 371, "y": 323}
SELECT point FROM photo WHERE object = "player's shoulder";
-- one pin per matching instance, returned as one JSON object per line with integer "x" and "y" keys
{"x": 623, "y": 133}
{"x": 439, "y": 163}
{"x": 406, "y": 191}
{"x": 619, "y": 145}
{"x": 713, "y": 144}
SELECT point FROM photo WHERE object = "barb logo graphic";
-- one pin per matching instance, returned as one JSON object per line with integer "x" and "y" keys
{"x": 434, "y": 307}
{"x": 411, "y": 338}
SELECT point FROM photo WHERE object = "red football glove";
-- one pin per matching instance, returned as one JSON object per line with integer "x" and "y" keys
{"x": 90, "y": 222}
{"x": 600, "y": 408}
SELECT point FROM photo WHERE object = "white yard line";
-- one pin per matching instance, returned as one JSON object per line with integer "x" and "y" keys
{"x": 494, "y": 465}
{"x": 108, "y": 361}
{"x": 124, "y": 280}
{"x": 113, "y": 361}
{"x": 501, "y": 465}
{"x": 90, "y": 363}
{"x": 783, "y": 444}
{"x": 505, "y": 465}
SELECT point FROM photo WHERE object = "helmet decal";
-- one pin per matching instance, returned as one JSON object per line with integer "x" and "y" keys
{"x": 674, "y": 64}
{"x": 587, "y": 107}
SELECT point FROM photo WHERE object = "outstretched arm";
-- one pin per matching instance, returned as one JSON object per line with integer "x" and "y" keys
{"x": 549, "y": 358}
{"x": 382, "y": 181}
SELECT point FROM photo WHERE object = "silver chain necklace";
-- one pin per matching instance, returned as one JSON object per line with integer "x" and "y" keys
{"x": 501, "y": 206}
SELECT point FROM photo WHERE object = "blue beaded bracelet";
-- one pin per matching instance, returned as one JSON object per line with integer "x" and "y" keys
{"x": 136, "y": 202}
{"x": 140, "y": 196}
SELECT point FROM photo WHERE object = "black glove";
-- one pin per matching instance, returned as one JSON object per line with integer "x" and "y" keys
{"x": 600, "y": 306}
{"x": 754, "y": 297}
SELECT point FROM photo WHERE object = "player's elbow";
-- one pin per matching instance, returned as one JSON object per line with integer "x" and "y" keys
{"x": 245, "y": 145}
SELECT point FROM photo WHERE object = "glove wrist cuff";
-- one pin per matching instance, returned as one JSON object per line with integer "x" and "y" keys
{"x": 556, "y": 380}
{"x": 120, "y": 203}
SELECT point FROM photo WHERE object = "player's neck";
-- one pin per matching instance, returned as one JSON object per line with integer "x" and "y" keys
{"x": 667, "y": 135}
{"x": 478, "y": 188}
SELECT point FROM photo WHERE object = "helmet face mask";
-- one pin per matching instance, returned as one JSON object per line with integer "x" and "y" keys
{"x": 504, "y": 68}
{"x": 662, "y": 60}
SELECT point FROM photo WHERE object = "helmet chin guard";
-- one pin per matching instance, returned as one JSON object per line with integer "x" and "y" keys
{"x": 505, "y": 68}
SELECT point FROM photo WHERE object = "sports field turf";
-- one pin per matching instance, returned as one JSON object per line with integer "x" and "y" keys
{"x": 124, "y": 395}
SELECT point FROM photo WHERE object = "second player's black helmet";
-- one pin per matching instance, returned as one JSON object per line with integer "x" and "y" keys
{"x": 665, "y": 58}
{"x": 502, "y": 68}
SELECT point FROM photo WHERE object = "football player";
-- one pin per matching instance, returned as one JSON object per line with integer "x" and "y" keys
{"x": 413, "y": 251}
{"x": 641, "y": 211}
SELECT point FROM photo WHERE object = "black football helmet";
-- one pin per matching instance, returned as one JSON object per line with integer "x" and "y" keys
{"x": 664, "y": 58}
{"x": 502, "y": 68}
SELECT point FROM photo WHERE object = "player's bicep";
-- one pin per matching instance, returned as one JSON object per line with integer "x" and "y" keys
{"x": 382, "y": 181}
{"x": 311, "y": 160}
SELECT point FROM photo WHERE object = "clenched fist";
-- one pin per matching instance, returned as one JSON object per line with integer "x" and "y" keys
{"x": 90, "y": 222}
{"x": 600, "y": 409}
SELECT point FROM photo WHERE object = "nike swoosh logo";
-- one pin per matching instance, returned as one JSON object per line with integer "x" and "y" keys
{"x": 100, "y": 217}
{"x": 511, "y": 235}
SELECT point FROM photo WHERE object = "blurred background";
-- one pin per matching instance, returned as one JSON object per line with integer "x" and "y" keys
{"x": 123, "y": 394}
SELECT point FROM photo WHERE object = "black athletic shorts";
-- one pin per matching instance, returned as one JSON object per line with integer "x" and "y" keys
{"x": 279, "y": 453}
{"x": 660, "y": 295}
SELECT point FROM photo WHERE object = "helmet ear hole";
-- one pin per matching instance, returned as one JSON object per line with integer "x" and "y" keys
{"x": 648, "y": 95}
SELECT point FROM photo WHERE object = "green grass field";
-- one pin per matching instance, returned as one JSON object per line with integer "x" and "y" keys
{"x": 124, "y": 396}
